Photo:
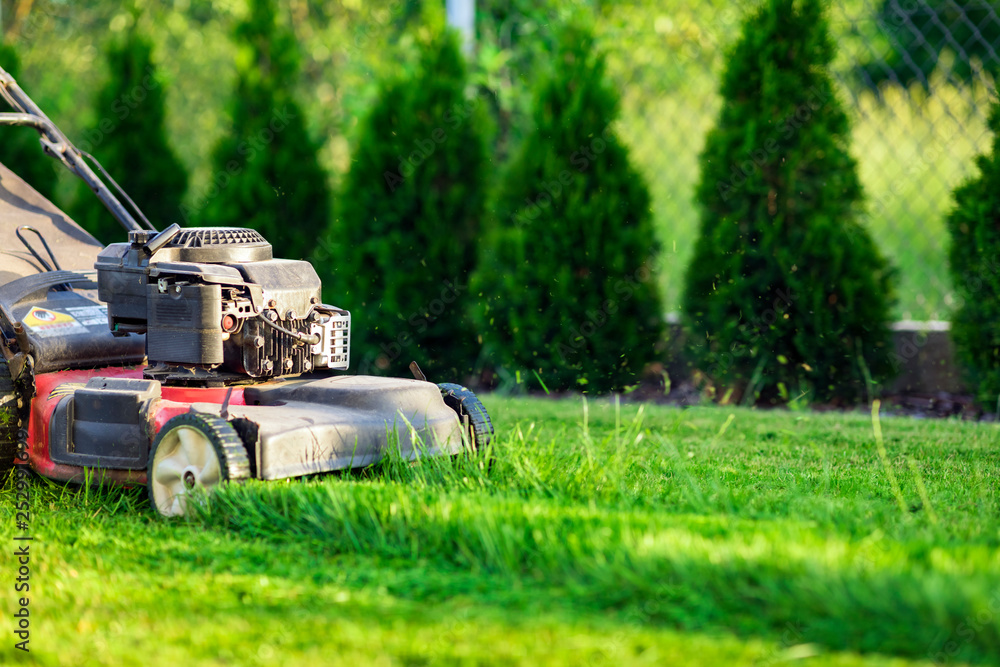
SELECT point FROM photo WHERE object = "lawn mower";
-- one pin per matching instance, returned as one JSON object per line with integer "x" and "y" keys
{"x": 185, "y": 358}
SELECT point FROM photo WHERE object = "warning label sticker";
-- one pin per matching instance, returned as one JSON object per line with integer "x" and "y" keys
{"x": 52, "y": 323}
{"x": 89, "y": 315}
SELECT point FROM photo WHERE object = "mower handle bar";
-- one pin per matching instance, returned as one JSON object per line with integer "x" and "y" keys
{"x": 57, "y": 145}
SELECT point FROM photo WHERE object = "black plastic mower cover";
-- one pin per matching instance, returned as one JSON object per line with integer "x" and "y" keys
{"x": 21, "y": 205}
{"x": 67, "y": 328}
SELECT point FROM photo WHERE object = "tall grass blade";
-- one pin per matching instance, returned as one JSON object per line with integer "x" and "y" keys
{"x": 884, "y": 456}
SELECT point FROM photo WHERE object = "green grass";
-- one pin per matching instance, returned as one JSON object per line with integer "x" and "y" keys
{"x": 601, "y": 535}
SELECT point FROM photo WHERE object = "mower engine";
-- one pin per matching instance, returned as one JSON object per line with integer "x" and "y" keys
{"x": 218, "y": 308}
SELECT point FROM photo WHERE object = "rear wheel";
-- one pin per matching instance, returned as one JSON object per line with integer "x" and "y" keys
{"x": 9, "y": 419}
{"x": 471, "y": 413}
{"x": 193, "y": 451}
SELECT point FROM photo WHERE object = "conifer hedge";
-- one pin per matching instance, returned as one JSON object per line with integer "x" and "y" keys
{"x": 266, "y": 172}
{"x": 786, "y": 293}
{"x": 408, "y": 220}
{"x": 129, "y": 138}
{"x": 566, "y": 293}
{"x": 974, "y": 257}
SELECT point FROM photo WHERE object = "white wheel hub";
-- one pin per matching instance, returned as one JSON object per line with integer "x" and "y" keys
{"x": 185, "y": 460}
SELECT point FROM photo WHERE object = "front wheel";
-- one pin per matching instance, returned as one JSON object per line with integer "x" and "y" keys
{"x": 471, "y": 413}
{"x": 193, "y": 451}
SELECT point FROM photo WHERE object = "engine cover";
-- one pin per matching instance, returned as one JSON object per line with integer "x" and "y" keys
{"x": 215, "y": 305}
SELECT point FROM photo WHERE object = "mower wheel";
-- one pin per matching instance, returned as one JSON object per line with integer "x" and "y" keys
{"x": 470, "y": 412}
{"x": 193, "y": 451}
{"x": 8, "y": 419}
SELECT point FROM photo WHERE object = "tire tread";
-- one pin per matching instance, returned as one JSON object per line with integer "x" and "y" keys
{"x": 463, "y": 401}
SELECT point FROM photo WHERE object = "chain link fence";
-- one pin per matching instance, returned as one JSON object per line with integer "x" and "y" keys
{"x": 915, "y": 76}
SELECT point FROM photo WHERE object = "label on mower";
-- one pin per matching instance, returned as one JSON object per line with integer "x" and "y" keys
{"x": 89, "y": 315}
{"x": 52, "y": 323}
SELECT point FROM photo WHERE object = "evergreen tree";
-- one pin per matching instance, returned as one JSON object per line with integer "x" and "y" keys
{"x": 267, "y": 173}
{"x": 566, "y": 294}
{"x": 129, "y": 138}
{"x": 19, "y": 148}
{"x": 408, "y": 220}
{"x": 786, "y": 292}
{"x": 974, "y": 257}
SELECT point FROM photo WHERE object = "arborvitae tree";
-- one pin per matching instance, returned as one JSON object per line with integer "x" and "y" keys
{"x": 19, "y": 148}
{"x": 129, "y": 138}
{"x": 786, "y": 291}
{"x": 565, "y": 288}
{"x": 974, "y": 257}
{"x": 408, "y": 221}
{"x": 266, "y": 169}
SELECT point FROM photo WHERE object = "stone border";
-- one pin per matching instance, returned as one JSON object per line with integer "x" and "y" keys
{"x": 923, "y": 353}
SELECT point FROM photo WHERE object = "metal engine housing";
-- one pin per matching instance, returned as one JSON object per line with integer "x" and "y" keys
{"x": 215, "y": 305}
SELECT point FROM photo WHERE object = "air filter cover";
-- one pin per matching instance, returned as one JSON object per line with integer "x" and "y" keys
{"x": 216, "y": 244}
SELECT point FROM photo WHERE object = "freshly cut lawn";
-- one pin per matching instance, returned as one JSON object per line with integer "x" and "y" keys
{"x": 602, "y": 535}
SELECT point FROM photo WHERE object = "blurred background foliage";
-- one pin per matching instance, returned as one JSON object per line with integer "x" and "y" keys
{"x": 20, "y": 144}
{"x": 126, "y": 137}
{"x": 406, "y": 239}
{"x": 266, "y": 172}
{"x": 916, "y": 122}
{"x": 786, "y": 293}
{"x": 564, "y": 284}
